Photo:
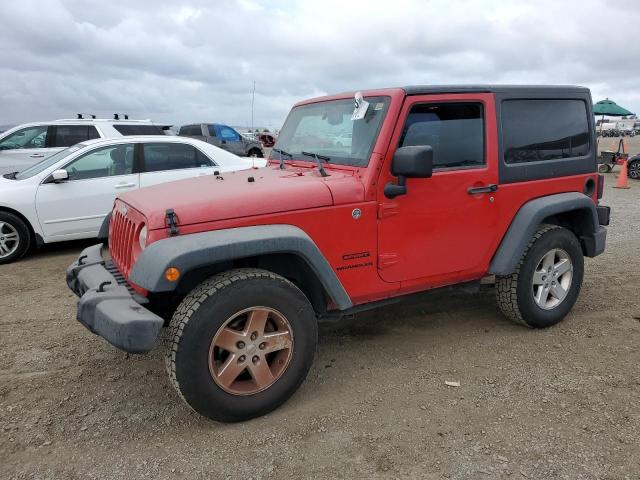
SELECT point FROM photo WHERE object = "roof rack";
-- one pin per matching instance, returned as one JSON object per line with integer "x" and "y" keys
{"x": 117, "y": 117}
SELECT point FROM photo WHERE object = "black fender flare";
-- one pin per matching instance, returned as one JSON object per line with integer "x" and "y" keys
{"x": 188, "y": 252}
{"x": 531, "y": 215}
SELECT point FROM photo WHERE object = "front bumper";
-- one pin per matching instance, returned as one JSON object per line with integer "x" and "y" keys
{"x": 108, "y": 308}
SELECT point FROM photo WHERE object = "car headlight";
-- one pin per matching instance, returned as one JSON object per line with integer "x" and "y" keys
{"x": 142, "y": 238}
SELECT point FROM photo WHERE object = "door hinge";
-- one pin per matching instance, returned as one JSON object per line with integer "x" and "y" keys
{"x": 387, "y": 209}
{"x": 171, "y": 222}
{"x": 387, "y": 260}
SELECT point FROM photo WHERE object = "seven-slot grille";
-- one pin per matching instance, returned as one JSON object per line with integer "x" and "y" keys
{"x": 122, "y": 238}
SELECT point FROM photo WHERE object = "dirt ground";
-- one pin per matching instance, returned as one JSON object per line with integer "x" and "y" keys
{"x": 550, "y": 404}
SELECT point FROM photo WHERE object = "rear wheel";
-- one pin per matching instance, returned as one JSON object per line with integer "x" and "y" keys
{"x": 547, "y": 281}
{"x": 15, "y": 238}
{"x": 240, "y": 344}
{"x": 255, "y": 152}
{"x": 633, "y": 170}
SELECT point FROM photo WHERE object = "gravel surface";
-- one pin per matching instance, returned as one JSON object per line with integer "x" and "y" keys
{"x": 556, "y": 403}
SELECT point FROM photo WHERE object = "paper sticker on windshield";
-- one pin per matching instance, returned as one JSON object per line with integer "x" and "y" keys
{"x": 379, "y": 106}
{"x": 361, "y": 106}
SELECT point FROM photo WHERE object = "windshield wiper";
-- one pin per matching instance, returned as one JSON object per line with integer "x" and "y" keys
{"x": 11, "y": 176}
{"x": 318, "y": 157}
{"x": 282, "y": 152}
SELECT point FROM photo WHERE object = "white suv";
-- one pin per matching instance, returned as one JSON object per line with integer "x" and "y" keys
{"x": 26, "y": 145}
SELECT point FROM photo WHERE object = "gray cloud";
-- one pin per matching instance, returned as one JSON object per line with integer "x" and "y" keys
{"x": 196, "y": 60}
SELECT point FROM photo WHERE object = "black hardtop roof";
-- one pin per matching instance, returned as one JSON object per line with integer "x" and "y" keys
{"x": 508, "y": 89}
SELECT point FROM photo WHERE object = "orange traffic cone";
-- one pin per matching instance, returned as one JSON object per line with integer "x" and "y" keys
{"x": 623, "y": 180}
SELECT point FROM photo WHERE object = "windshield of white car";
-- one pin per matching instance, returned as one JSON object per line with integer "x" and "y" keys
{"x": 47, "y": 162}
{"x": 327, "y": 129}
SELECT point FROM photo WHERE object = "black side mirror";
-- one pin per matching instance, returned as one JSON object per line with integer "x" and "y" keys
{"x": 409, "y": 162}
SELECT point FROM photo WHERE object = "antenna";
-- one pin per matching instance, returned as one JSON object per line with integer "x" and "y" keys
{"x": 253, "y": 95}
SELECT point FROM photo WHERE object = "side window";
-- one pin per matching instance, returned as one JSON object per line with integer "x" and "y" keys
{"x": 159, "y": 157}
{"x": 102, "y": 162}
{"x": 228, "y": 133}
{"x": 138, "y": 130}
{"x": 192, "y": 130}
{"x": 30, "y": 137}
{"x": 540, "y": 130}
{"x": 455, "y": 131}
{"x": 212, "y": 130}
{"x": 67, "y": 135}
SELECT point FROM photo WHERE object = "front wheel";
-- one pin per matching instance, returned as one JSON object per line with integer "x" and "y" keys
{"x": 546, "y": 282}
{"x": 240, "y": 344}
{"x": 14, "y": 238}
{"x": 633, "y": 171}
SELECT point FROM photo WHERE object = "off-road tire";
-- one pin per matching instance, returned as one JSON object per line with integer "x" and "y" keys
{"x": 514, "y": 292}
{"x": 198, "y": 318}
{"x": 24, "y": 235}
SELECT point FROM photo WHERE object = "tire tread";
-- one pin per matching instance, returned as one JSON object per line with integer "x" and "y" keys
{"x": 192, "y": 302}
{"x": 507, "y": 285}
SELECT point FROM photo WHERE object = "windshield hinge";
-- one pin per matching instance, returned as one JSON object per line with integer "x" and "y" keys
{"x": 387, "y": 209}
{"x": 171, "y": 221}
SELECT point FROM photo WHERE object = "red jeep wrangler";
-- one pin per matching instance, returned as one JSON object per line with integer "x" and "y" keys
{"x": 365, "y": 200}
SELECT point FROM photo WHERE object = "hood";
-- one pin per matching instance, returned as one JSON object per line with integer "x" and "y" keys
{"x": 244, "y": 193}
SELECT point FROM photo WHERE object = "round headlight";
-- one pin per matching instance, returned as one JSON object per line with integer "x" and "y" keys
{"x": 142, "y": 238}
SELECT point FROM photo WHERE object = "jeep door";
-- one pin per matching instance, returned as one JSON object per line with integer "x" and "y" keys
{"x": 168, "y": 161}
{"x": 442, "y": 230}
{"x": 76, "y": 208}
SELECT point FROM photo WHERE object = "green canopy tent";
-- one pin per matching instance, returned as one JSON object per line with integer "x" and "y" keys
{"x": 609, "y": 108}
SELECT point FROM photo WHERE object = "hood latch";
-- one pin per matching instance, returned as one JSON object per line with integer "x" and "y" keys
{"x": 171, "y": 222}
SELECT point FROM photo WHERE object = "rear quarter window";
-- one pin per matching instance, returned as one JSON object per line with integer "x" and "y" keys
{"x": 191, "y": 130}
{"x": 544, "y": 129}
{"x": 139, "y": 130}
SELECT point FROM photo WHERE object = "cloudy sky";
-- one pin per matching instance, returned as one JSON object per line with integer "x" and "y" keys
{"x": 181, "y": 61}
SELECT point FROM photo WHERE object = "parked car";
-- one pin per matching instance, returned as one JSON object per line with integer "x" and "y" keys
{"x": 633, "y": 167}
{"x": 27, "y": 144}
{"x": 67, "y": 195}
{"x": 224, "y": 137}
{"x": 438, "y": 186}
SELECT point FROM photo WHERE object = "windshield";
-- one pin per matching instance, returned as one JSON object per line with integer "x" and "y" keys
{"x": 326, "y": 128}
{"x": 47, "y": 162}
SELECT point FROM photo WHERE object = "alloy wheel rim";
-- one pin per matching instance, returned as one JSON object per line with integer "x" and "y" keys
{"x": 9, "y": 239}
{"x": 251, "y": 351}
{"x": 634, "y": 169}
{"x": 552, "y": 279}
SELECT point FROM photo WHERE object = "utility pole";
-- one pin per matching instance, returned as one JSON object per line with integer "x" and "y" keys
{"x": 253, "y": 95}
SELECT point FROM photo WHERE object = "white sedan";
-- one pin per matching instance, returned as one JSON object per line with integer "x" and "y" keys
{"x": 67, "y": 195}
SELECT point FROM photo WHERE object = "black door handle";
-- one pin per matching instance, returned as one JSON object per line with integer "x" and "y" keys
{"x": 486, "y": 189}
